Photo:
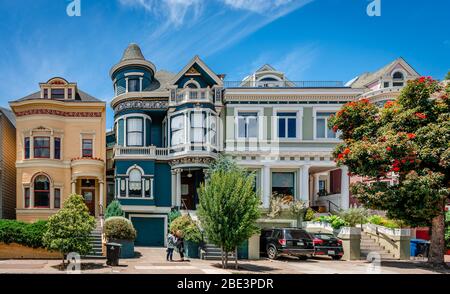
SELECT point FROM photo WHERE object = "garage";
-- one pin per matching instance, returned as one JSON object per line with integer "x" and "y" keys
{"x": 151, "y": 230}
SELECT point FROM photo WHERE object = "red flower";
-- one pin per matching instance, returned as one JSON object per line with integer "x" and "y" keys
{"x": 335, "y": 128}
{"x": 388, "y": 149}
{"x": 396, "y": 169}
{"x": 346, "y": 151}
{"x": 411, "y": 136}
{"x": 421, "y": 115}
{"x": 340, "y": 156}
{"x": 389, "y": 104}
{"x": 365, "y": 101}
{"x": 422, "y": 80}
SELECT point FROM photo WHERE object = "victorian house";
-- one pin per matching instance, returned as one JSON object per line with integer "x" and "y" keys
{"x": 60, "y": 133}
{"x": 165, "y": 135}
{"x": 7, "y": 164}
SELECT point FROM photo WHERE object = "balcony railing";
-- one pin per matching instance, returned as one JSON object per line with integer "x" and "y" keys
{"x": 191, "y": 95}
{"x": 161, "y": 153}
{"x": 284, "y": 84}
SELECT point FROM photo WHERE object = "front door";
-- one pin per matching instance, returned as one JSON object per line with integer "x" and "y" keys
{"x": 89, "y": 199}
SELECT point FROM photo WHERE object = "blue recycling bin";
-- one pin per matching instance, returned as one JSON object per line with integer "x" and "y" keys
{"x": 419, "y": 247}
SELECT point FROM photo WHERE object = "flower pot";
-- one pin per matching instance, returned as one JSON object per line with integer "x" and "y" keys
{"x": 127, "y": 250}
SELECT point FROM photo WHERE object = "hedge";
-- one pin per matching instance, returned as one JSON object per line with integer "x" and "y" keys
{"x": 25, "y": 234}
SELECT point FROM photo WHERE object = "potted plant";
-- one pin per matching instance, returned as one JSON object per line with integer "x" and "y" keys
{"x": 191, "y": 234}
{"x": 120, "y": 230}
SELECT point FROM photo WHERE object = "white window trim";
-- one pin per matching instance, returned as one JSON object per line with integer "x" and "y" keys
{"x": 299, "y": 118}
{"x": 260, "y": 116}
{"x": 286, "y": 170}
{"x": 319, "y": 110}
{"x": 132, "y": 115}
{"x": 143, "y": 175}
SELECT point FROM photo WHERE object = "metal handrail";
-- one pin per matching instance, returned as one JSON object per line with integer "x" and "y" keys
{"x": 284, "y": 84}
{"x": 332, "y": 205}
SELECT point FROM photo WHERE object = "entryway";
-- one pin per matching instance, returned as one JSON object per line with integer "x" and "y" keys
{"x": 190, "y": 182}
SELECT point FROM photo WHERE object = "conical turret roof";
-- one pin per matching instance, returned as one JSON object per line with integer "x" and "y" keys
{"x": 132, "y": 56}
{"x": 133, "y": 52}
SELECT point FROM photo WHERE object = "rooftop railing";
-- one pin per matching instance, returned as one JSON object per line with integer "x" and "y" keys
{"x": 284, "y": 84}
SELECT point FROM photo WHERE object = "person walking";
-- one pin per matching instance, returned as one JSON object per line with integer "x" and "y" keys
{"x": 171, "y": 242}
{"x": 180, "y": 244}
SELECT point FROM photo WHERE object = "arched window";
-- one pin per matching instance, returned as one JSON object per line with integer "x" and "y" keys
{"x": 41, "y": 192}
{"x": 398, "y": 76}
{"x": 135, "y": 183}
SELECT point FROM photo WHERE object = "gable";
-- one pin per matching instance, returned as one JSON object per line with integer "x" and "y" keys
{"x": 199, "y": 72}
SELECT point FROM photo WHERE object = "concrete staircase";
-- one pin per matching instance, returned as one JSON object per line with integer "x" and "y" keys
{"x": 370, "y": 245}
{"x": 96, "y": 241}
{"x": 212, "y": 252}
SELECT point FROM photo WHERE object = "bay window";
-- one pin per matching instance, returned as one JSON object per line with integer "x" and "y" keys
{"x": 248, "y": 125}
{"x": 177, "y": 130}
{"x": 322, "y": 129}
{"x": 135, "y": 132}
{"x": 41, "y": 147}
{"x": 198, "y": 127}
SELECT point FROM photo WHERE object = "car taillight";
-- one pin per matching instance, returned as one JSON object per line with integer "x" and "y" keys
{"x": 340, "y": 242}
{"x": 317, "y": 241}
{"x": 282, "y": 242}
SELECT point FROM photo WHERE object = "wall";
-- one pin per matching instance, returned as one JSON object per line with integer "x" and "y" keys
{"x": 8, "y": 169}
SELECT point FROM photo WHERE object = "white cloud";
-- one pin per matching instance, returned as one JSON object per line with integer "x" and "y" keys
{"x": 260, "y": 6}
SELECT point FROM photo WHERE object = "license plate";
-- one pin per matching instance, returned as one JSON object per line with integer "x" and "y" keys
{"x": 300, "y": 243}
{"x": 331, "y": 252}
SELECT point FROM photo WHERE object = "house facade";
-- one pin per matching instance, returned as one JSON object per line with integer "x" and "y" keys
{"x": 60, "y": 133}
{"x": 7, "y": 164}
{"x": 165, "y": 135}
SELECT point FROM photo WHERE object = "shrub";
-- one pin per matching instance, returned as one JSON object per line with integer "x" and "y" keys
{"x": 309, "y": 215}
{"x": 355, "y": 216}
{"x": 114, "y": 209}
{"x": 447, "y": 229}
{"x": 30, "y": 235}
{"x": 119, "y": 228}
{"x": 188, "y": 227}
{"x": 381, "y": 221}
{"x": 174, "y": 214}
{"x": 335, "y": 221}
{"x": 69, "y": 230}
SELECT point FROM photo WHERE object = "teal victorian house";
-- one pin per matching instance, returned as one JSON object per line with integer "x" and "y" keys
{"x": 166, "y": 133}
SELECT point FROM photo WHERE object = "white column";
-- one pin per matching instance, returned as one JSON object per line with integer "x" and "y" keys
{"x": 345, "y": 183}
{"x": 31, "y": 147}
{"x": 174, "y": 188}
{"x": 316, "y": 187}
{"x": 140, "y": 83}
{"x": 126, "y": 187}
{"x": 143, "y": 188}
{"x": 117, "y": 189}
{"x": 74, "y": 186}
{"x": 266, "y": 191}
{"x": 31, "y": 196}
{"x": 151, "y": 188}
{"x": 126, "y": 85}
{"x": 304, "y": 183}
{"x": 179, "y": 187}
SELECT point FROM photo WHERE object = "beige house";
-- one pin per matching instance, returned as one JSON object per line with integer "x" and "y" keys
{"x": 60, "y": 133}
{"x": 7, "y": 164}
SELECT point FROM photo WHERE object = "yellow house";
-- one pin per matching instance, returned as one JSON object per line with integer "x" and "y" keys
{"x": 60, "y": 134}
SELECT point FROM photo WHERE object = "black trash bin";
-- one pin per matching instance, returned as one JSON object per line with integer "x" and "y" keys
{"x": 113, "y": 254}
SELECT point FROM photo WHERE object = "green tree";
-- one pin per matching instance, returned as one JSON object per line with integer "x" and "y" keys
{"x": 408, "y": 140}
{"x": 114, "y": 209}
{"x": 69, "y": 230}
{"x": 229, "y": 207}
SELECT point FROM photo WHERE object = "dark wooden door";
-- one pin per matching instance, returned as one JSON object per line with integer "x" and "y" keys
{"x": 187, "y": 193}
{"x": 89, "y": 199}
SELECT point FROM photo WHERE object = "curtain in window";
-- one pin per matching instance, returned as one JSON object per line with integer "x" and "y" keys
{"x": 177, "y": 130}
{"x": 135, "y": 180}
{"x": 213, "y": 129}
{"x": 135, "y": 132}
{"x": 197, "y": 127}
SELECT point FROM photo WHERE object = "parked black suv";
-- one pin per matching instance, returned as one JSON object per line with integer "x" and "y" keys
{"x": 286, "y": 241}
{"x": 327, "y": 244}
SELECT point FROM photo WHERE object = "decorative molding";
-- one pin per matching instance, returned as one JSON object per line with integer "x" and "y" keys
{"x": 57, "y": 113}
{"x": 141, "y": 105}
{"x": 191, "y": 160}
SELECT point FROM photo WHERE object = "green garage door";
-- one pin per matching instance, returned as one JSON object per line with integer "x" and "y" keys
{"x": 150, "y": 231}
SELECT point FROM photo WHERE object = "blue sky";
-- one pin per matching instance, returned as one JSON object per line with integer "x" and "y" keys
{"x": 307, "y": 39}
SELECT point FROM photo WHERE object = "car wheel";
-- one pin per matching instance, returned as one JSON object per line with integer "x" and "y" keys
{"x": 303, "y": 257}
{"x": 272, "y": 252}
{"x": 336, "y": 257}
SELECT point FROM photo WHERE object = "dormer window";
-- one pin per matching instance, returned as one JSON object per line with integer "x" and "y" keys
{"x": 45, "y": 93}
{"x": 58, "y": 93}
{"x": 69, "y": 94}
{"x": 398, "y": 78}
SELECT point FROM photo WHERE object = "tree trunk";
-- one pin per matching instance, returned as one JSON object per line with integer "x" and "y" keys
{"x": 226, "y": 259}
{"x": 222, "y": 257}
{"x": 437, "y": 240}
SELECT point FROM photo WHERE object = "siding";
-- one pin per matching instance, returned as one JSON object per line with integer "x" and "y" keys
{"x": 8, "y": 168}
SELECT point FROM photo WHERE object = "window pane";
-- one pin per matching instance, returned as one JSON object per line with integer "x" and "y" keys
{"x": 177, "y": 122}
{"x": 252, "y": 127}
{"x": 87, "y": 148}
{"x": 135, "y": 133}
{"x": 331, "y": 134}
{"x": 27, "y": 197}
{"x": 133, "y": 85}
{"x": 283, "y": 183}
{"x": 27, "y": 148}
{"x": 197, "y": 120}
{"x": 320, "y": 128}
{"x": 57, "y": 148}
{"x": 42, "y": 147}
{"x": 41, "y": 192}
{"x": 198, "y": 135}
{"x": 177, "y": 137}
{"x": 292, "y": 128}
{"x": 281, "y": 127}
{"x": 241, "y": 127}
{"x": 57, "y": 203}
{"x": 57, "y": 93}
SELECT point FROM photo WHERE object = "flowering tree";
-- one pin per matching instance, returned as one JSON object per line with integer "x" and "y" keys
{"x": 408, "y": 140}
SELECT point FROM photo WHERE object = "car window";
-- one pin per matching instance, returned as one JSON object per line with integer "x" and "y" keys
{"x": 276, "y": 234}
{"x": 324, "y": 236}
{"x": 267, "y": 234}
{"x": 295, "y": 234}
